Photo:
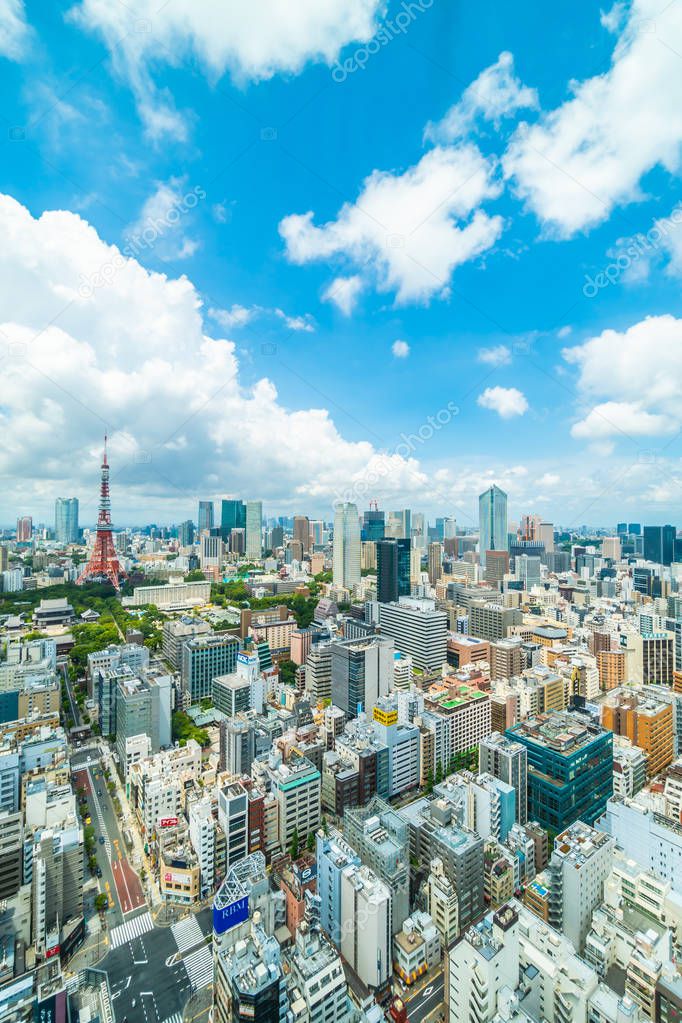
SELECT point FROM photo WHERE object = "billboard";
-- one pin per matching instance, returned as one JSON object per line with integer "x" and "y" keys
{"x": 235, "y": 913}
{"x": 168, "y": 822}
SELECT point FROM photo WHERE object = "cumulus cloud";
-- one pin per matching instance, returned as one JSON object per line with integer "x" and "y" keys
{"x": 589, "y": 154}
{"x": 400, "y": 349}
{"x": 407, "y": 232}
{"x": 130, "y": 353}
{"x": 14, "y": 30}
{"x": 495, "y": 94}
{"x": 506, "y": 401}
{"x": 632, "y": 378}
{"x": 344, "y": 292}
{"x": 252, "y": 41}
{"x": 499, "y": 355}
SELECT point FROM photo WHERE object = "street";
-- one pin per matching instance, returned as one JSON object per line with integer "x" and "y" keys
{"x": 119, "y": 880}
{"x": 159, "y": 969}
{"x": 427, "y": 1001}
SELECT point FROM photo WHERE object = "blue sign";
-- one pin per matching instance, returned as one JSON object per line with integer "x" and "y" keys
{"x": 229, "y": 916}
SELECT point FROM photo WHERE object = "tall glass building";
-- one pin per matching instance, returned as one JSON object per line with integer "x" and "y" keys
{"x": 205, "y": 519}
{"x": 346, "y": 555}
{"x": 492, "y": 518}
{"x": 232, "y": 516}
{"x": 66, "y": 519}
{"x": 393, "y": 569}
{"x": 254, "y": 529}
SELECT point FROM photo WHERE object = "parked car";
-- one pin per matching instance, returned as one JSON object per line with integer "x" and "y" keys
{"x": 101, "y": 839}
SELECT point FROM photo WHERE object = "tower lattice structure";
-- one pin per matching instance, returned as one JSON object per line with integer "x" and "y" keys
{"x": 103, "y": 562}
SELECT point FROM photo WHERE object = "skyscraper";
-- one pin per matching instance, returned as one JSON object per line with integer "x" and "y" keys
{"x": 393, "y": 569}
{"x": 492, "y": 517}
{"x": 186, "y": 533}
{"x": 346, "y": 546}
{"x": 66, "y": 520}
{"x": 205, "y": 518}
{"x": 373, "y": 525}
{"x": 24, "y": 529}
{"x": 254, "y": 529}
{"x": 232, "y": 516}
{"x": 435, "y": 562}
{"x": 302, "y": 531}
{"x": 659, "y": 544}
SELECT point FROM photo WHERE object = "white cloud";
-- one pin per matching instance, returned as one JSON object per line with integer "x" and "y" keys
{"x": 14, "y": 30}
{"x": 240, "y": 316}
{"x": 252, "y": 41}
{"x": 133, "y": 356}
{"x": 590, "y": 154}
{"x": 549, "y": 480}
{"x": 624, "y": 417}
{"x": 344, "y": 293}
{"x": 400, "y": 349}
{"x": 303, "y": 323}
{"x": 495, "y": 94}
{"x": 236, "y": 316}
{"x": 506, "y": 401}
{"x": 564, "y": 332}
{"x": 632, "y": 379}
{"x": 499, "y": 355}
{"x": 161, "y": 225}
{"x": 407, "y": 232}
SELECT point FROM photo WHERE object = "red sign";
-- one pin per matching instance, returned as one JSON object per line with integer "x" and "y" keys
{"x": 52, "y": 952}
{"x": 168, "y": 822}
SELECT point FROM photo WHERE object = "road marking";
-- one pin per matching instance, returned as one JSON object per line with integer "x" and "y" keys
{"x": 132, "y": 928}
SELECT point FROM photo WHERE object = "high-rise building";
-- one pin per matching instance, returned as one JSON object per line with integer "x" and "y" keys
{"x": 346, "y": 563}
{"x": 205, "y": 657}
{"x": 366, "y": 930}
{"x": 393, "y": 569}
{"x": 418, "y": 630}
{"x": 334, "y": 854}
{"x": 373, "y": 525}
{"x": 435, "y": 562}
{"x": 186, "y": 533}
{"x": 205, "y": 516}
{"x": 492, "y": 518}
{"x": 361, "y": 672}
{"x": 24, "y": 529}
{"x": 301, "y": 532}
{"x": 659, "y": 544}
{"x": 570, "y": 768}
{"x": 508, "y": 761}
{"x": 254, "y": 529}
{"x": 66, "y": 520}
{"x": 232, "y": 516}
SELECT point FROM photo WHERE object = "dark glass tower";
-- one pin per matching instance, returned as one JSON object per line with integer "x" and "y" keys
{"x": 393, "y": 570}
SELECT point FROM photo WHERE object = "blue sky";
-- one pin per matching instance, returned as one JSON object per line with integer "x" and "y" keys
{"x": 305, "y": 213}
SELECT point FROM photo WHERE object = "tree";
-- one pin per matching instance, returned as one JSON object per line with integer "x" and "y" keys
{"x": 293, "y": 848}
{"x": 325, "y": 825}
{"x": 310, "y": 844}
{"x": 429, "y": 780}
{"x": 439, "y": 773}
{"x": 287, "y": 672}
{"x": 101, "y": 902}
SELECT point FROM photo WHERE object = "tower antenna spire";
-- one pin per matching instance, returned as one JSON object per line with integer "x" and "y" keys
{"x": 103, "y": 562}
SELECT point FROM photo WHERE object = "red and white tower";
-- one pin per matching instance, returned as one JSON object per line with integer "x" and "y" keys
{"x": 103, "y": 562}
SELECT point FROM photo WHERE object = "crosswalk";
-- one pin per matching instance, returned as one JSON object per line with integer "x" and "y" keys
{"x": 187, "y": 933}
{"x": 133, "y": 928}
{"x": 199, "y": 966}
{"x": 175, "y": 1018}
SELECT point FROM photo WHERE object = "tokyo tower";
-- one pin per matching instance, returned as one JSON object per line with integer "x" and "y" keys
{"x": 103, "y": 562}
